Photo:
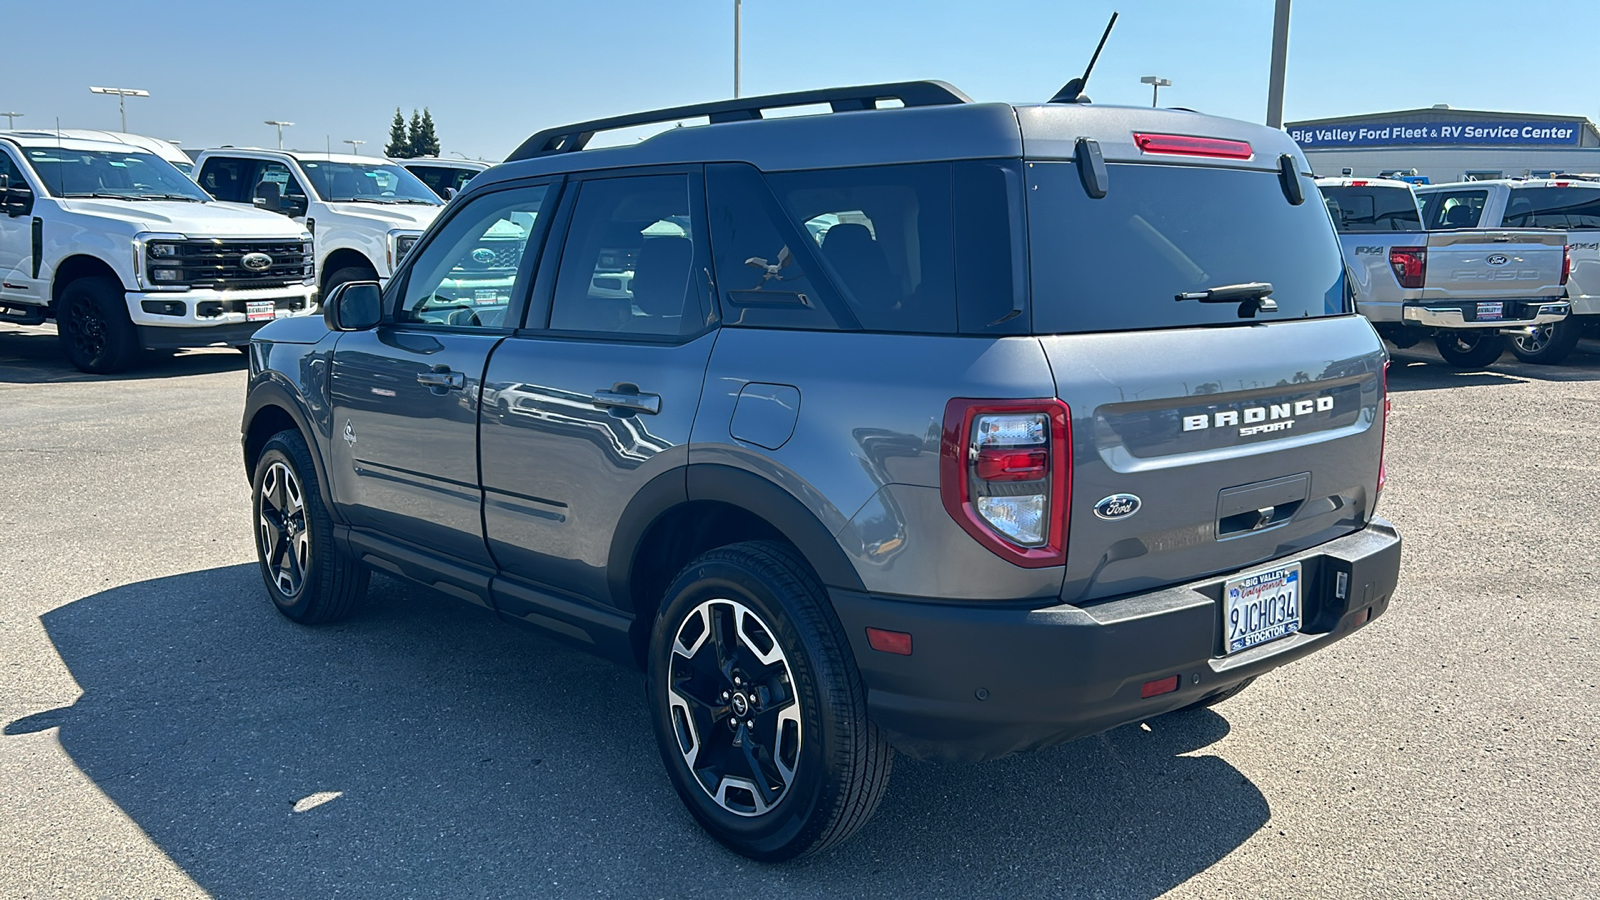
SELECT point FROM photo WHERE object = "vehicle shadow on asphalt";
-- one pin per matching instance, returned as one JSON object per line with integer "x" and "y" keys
{"x": 424, "y": 749}
{"x": 1420, "y": 368}
{"x": 33, "y": 356}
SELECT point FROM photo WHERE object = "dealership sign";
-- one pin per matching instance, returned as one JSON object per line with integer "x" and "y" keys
{"x": 1448, "y": 134}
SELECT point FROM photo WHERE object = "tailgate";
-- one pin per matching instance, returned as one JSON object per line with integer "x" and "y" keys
{"x": 1243, "y": 444}
{"x": 1474, "y": 265}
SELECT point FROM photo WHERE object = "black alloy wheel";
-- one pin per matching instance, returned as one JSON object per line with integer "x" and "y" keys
{"x": 93, "y": 325}
{"x": 734, "y": 711}
{"x": 309, "y": 579}
{"x": 758, "y": 706}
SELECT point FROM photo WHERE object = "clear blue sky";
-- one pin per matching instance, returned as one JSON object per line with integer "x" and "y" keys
{"x": 494, "y": 72}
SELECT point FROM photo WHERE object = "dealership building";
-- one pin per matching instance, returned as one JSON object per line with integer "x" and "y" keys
{"x": 1444, "y": 144}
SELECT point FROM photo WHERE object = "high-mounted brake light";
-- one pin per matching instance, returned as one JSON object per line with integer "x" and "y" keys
{"x": 1358, "y": 184}
{"x": 1410, "y": 265}
{"x": 1566, "y": 263}
{"x": 1005, "y": 475}
{"x": 1186, "y": 145}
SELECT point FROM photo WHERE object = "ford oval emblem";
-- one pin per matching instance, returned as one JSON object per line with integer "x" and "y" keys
{"x": 483, "y": 256}
{"x": 256, "y": 262}
{"x": 1117, "y": 506}
{"x": 1497, "y": 259}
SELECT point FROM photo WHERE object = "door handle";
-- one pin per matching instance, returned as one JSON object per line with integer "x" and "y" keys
{"x": 633, "y": 401}
{"x": 445, "y": 378}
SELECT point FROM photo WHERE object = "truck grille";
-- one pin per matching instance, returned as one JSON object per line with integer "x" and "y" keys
{"x": 218, "y": 264}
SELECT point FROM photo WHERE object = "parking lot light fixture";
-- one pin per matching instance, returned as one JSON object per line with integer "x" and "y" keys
{"x": 122, "y": 95}
{"x": 1156, "y": 84}
{"x": 281, "y": 127}
{"x": 11, "y": 119}
{"x": 355, "y": 146}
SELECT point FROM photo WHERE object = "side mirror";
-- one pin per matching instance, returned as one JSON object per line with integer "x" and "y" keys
{"x": 294, "y": 205}
{"x": 353, "y": 306}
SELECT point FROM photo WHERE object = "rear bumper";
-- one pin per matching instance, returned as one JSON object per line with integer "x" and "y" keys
{"x": 1517, "y": 314}
{"x": 984, "y": 682}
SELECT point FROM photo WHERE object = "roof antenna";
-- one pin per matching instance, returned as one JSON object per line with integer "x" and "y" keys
{"x": 1072, "y": 92}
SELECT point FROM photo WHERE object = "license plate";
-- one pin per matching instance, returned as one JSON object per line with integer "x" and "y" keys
{"x": 1490, "y": 312}
{"x": 259, "y": 310}
{"x": 1261, "y": 607}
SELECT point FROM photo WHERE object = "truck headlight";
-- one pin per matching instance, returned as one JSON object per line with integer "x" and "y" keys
{"x": 403, "y": 244}
{"x": 161, "y": 250}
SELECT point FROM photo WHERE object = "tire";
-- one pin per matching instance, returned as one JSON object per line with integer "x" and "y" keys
{"x": 308, "y": 577}
{"x": 348, "y": 273}
{"x": 806, "y": 735}
{"x": 1218, "y": 697}
{"x": 1470, "y": 349}
{"x": 1549, "y": 345}
{"x": 92, "y": 320}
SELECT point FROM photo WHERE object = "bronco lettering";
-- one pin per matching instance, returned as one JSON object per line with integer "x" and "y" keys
{"x": 1277, "y": 416}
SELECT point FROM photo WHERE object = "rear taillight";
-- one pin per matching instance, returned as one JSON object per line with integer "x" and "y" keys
{"x": 1005, "y": 475}
{"x": 1186, "y": 145}
{"x": 1383, "y": 433}
{"x": 1566, "y": 263}
{"x": 1410, "y": 265}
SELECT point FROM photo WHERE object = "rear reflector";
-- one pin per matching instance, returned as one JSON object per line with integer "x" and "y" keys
{"x": 896, "y": 642}
{"x": 1363, "y": 617}
{"x": 1185, "y": 145}
{"x": 1157, "y": 688}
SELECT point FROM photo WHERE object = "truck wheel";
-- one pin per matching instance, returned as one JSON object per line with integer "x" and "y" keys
{"x": 1475, "y": 349}
{"x": 1548, "y": 345}
{"x": 348, "y": 273}
{"x": 308, "y": 577}
{"x": 759, "y": 710}
{"x": 92, "y": 321}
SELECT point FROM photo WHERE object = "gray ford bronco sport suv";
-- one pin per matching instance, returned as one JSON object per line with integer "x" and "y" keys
{"x": 958, "y": 428}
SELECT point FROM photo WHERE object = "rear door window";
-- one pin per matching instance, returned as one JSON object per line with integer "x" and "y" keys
{"x": 1570, "y": 208}
{"x": 1452, "y": 209}
{"x": 1362, "y": 209}
{"x": 1117, "y": 263}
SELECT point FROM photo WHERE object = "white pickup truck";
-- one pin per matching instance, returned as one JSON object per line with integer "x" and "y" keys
{"x": 124, "y": 252}
{"x": 1570, "y": 206}
{"x": 1466, "y": 289}
{"x": 363, "y": 213}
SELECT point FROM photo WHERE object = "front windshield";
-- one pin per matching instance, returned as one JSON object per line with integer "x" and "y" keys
{"x": 112, "y": 174}
{"x": 339, "y": 182}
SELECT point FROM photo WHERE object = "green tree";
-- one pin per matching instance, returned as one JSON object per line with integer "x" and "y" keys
{"x": 414, "y": 134}
{"x": 423, "y": 141}
{"x": 399, "y": 146}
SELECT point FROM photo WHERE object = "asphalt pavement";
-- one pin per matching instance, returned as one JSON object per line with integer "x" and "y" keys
{"x": 165, "y": 733}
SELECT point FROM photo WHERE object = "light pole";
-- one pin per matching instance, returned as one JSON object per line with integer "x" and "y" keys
{"x": 1280, "y": 61}
{"x": 736, "y": 30}
{"x": 11, "y": 119}
{"x": 1156, "y": 84}
{"x": 281, "y": 127}
{"x": 355, "y": 146}
{"x": 122, "y": 95}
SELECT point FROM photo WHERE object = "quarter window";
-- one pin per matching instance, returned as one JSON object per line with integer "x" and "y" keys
{"x": 628, "y": 267}
{"x": 469, "y": 275}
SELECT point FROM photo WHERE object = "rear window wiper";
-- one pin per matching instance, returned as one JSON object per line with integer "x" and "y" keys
{"x": 1252, "y": 297}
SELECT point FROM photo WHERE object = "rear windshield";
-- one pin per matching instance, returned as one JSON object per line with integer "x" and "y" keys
{"x": 1452, "y": 209}
{"x": 1574, "y": 209}
{"x": 1117, "y": 263}
{"x": 1359, "y": 209}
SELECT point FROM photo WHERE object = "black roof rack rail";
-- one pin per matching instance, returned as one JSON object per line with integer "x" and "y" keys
{"x": 571, "y": 138}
